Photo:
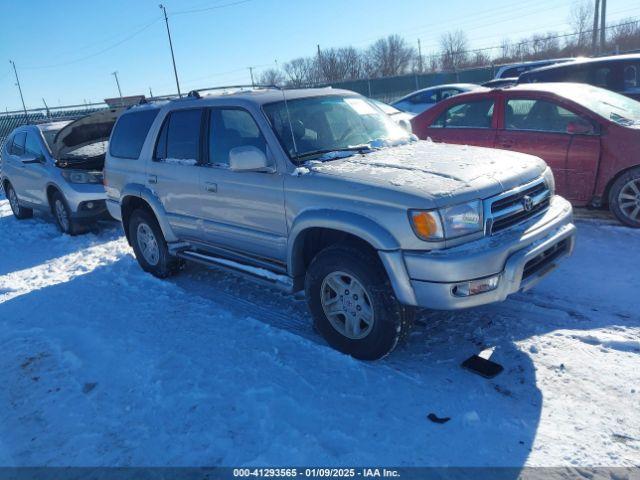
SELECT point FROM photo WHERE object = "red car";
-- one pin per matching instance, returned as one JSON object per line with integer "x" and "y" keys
{"x": 590, "y": 137}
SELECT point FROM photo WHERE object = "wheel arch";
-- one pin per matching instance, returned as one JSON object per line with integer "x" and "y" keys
{"x": 317, "y": 229}
{"x": 140, "y": 197}
{"x": 612, "y": 180}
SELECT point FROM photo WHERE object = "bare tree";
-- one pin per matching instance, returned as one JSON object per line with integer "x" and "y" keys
{"x": 301, "y": 72}
{"x": 338, "y": 64}
{"x": 453, "y": 46}
{"x": 389, "y": 56}
{"x": 580, "y": 18}
{"x": 271, "y": 76}
{"x": 625, "y": 35}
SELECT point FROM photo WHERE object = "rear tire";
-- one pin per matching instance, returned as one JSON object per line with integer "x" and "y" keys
{"x": 21, "y": 213}
{"x": 353, "y": 304}
{"x": 624, "y": 198}
{"x": 62, "y": 214}
{"x": 150, "y": 246}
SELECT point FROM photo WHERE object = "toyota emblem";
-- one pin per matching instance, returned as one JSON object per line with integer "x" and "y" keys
{"x": 527, "y": 203}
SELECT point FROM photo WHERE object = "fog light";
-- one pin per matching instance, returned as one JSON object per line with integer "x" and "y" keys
{"x": 89, "y": 205}
{"x": 474, "y": 287}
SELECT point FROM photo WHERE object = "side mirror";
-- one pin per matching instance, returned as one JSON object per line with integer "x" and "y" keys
{"x": 29, "y": 159}
{"x": 248, "y": 159}
{"x": 579, "y": 128}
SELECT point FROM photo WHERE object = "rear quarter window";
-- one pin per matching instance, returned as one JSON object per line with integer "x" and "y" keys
{"x": 130, "y": 133}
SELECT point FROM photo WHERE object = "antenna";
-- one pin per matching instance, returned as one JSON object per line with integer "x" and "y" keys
{"x": 293, "y": 137}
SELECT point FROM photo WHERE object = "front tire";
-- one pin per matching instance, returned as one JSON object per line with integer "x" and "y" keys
{"x": 21, "y": 213}
{"x": 353, "y": 304}
{"x": 150, "y": 246}
{"x": 62, "y": 214}
{"x": 624, "y": 199}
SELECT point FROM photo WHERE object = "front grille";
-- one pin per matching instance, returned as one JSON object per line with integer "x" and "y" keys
{"x": 516, "y": 198}
{"x": 508, "y": 209}
{"x": 547, "y": 257}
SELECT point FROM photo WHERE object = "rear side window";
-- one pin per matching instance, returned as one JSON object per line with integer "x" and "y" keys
{"x": 17, "y": 147}
{"x": 179, "y": 137}
{"x": 130, "y": 132}
{"x": 540, "y": 116}
{"x": 467, "y": 115}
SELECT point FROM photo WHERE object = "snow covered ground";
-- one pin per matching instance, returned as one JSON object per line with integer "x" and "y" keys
{"x": 102, "y": 364}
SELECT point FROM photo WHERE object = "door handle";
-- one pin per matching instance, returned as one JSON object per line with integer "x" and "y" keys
{"x": 211, "y": 187}
{"x": 153, "y": 179}
{"x": 506, "y": 144}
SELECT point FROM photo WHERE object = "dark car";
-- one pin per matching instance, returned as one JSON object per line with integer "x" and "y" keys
{"x": 500, "y": 82}
{"x": 619, "y": 73}
{"x": 589, "y": 136}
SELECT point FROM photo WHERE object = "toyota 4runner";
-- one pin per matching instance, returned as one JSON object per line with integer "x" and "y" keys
{"x": 317, "y": 189}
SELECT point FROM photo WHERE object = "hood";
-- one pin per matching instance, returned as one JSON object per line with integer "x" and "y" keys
{"x": 438, "y": 171}
{"x": 91, "y": 129}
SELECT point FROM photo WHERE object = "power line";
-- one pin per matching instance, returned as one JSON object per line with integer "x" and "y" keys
{"x": 215, "y": 7}
{"x": 100, "y": 52}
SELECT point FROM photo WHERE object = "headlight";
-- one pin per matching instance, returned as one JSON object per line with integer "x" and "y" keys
{"x": 75, "y": 176}
{"x": 550, "y": 180}
{"x": 450, "y": 222}
{"x": 462, "y": 219}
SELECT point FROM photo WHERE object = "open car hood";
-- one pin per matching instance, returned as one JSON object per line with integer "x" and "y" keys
{"x": 91, "y": 129}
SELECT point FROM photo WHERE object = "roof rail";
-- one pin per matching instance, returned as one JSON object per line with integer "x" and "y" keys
{"x": 196, "y": 93}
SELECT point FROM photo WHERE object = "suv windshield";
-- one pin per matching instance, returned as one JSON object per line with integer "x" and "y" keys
{"x": 610, "y": 105}
{"x": 331, "y": 123}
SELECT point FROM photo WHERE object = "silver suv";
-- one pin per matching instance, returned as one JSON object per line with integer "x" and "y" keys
{"x": 319, "y": 190}
{"x": 57, "y": 167}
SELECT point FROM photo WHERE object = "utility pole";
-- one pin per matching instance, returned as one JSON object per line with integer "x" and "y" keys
{"x": 594, "y": 33}
{"x": 251, "y": 73}
{"x": 115, "y": 74}
{"x": 419, "y": 56}
{"x": 603, "y": 23}
{"x": 173, "y": 58}
{"x": 26, "y": 117}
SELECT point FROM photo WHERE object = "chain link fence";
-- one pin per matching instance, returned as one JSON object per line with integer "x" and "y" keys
{"x": 388, "y": 89}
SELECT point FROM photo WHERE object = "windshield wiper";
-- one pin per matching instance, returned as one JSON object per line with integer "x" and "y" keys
{"x": 356, "y": 148}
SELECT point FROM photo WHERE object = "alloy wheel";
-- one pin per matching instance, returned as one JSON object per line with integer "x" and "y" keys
{"x": 62, "y": 215}
{"x": 347, "y": 305}
{"x": 13, "y": 201}
{"x": 148, "y": 244}
{"x": 629, "y": 199}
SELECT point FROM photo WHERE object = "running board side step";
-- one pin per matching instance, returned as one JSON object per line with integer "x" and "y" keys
{"x": 261, "y": 275}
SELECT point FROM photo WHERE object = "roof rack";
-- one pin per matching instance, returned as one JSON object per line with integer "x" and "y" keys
{"x": 196, "y": 93}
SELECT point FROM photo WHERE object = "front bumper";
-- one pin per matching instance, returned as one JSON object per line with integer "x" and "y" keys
{"x": 520, "y": 256}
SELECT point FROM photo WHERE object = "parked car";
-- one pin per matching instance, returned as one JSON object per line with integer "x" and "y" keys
{"x": 57, "y": 167}
{"x": 500, "y": 82}
{"x": 318, "y": 190}
{"x": 516, "y": 69}
{"x": 618, "y": 73}
{"x": 589, "y": 136}
{"x": 401, "y": 118}
{"x": 421, "y": 100}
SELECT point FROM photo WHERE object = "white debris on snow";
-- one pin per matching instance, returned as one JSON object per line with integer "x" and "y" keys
{"x": 434, "y": 168}
{"x": 103, "y": 364}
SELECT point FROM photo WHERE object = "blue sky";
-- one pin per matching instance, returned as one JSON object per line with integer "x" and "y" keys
{"x": 66, "y": 50}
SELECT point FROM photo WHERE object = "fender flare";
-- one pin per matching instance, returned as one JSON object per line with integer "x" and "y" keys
{"x": 355, "y": 224}
{"x": 144, "y": 193}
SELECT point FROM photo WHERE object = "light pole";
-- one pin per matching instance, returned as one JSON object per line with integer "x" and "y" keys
{"x": 115, "y": 74}
{"x": 251, "y": 73}
{"x": 173, "y": 58}
{"x": 26, "y": 117}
